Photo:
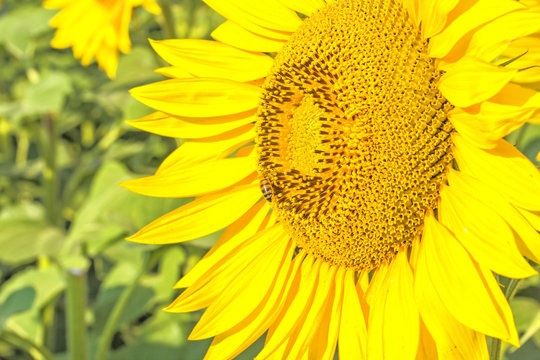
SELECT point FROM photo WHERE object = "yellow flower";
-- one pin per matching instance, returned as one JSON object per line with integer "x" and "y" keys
{"x": 95, "y": 28}
{"x": 376, "y": 131}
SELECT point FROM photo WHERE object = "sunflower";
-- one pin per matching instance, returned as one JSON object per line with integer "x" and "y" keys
{"x": 389, "y": 196}
{"x": 95, "y": 28}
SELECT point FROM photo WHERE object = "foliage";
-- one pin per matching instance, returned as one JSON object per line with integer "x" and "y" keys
{"x": 64, "y": 148}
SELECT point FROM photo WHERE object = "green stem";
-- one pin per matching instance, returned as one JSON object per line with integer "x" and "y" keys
{"x": 23, "y": 144}
{"x": 495, "y": 345}
{"x": 48, "y": 311}
{"x": 112, "y": 322}
{"x": 23, "y": 343}
{"x": 190, "y": 10}
{"x": 495, "y": 349}
{"x": 50, "y": 173}
{"x": 169, "y": 29}
{"x": 5, "y": 139}
{"x": 512, "y": 288}
{"x": 76, "y": 307}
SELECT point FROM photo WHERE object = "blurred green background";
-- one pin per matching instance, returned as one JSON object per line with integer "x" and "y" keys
{"x": 63, "y": 218}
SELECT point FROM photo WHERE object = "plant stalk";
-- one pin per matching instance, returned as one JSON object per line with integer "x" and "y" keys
{"x": 76, "y": 307}
{"x": 26, "y": 344}
{"x": 116, "y": 313}
{"x": 168, "y": 28}
{"x": 495, "y": 345}
{"x": 5, "y": 139}
{"x": 50, "y": 174}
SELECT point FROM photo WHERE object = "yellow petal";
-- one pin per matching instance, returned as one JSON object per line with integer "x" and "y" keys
{"x": 486, "y": 123}
{"x": 470, "y": 81}
{"x": 491, "y": 40}
{"x": 323, "y": 346}
{"x": 232, "y": 34}
{"x": 233, "y": 237}
{"x": 195, "y": 180}
{"x": 525, "y": 52}
{"x": 352, "y": 342}
{"x": 267, "y": 18}
{"x": 480, "y": 13}
{"x": 363, "y": 281}
{"x": 484, "y": 234}
{"x": 361, "y": 287}
{"x": 304, "y": 332}
{"x": 233, "y": 342}
{"x": 249, "y": 288}
{"x": 173, "y": 72}
{"x": 207, "y": 290}
{"x": 432, "y": 15}
{"x": 412, "y": 9}
{"x": 166, "y": 125}
{"x": 55, "y": 4}
{"x": 516, "y": 96}
{"x": 198, "y": 97}
{"x": 461, "y": 286}
{"x": 200, "y": 150}
{"x": 533, "y": 217}
{"x": 202, "y": 216}
{"x": 486, "y": 128}
{"x": 375, "y": 284}
{"x": 150, "y": 6}
{"x": 427, "y": 349}
{"x": 504, "y": 168}
{"x": 453, "y": 339}
{"x": 295, "y": 309}
{"x": 226, "y": 61}
{"x": 498, "y": 298}
{"x": 527, "y": 239}
{"x": 306, "y": 7}
{"x": 393, "y": 314}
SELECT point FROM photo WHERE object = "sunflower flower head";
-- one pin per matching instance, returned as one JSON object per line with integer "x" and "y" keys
{"x": 95, "y": 28}
{"x": 389, "y": 197}
{"x": 366, "y": 140}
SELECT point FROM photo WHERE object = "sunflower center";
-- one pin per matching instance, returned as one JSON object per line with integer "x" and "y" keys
{"x": 352, "y": 133}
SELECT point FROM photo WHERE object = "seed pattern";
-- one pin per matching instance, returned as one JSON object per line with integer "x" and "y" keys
{"x": 353, "y": 134}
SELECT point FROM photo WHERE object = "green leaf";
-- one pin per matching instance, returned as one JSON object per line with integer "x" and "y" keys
{"x": 22, "y": 210}
{"x": 103, "y": 194}
{"x": 45, "y": 284}
{"x": 168, "y": 274}
{"x": 528, "y": 140}
{"x": 532, "y": 329}
{"x": 22, "y": 241}
{"x": 134, "y": 110}
{"x": 123, "y": 274}
{"x": 19, "y": 27}
{"x": 110, "y": 204}
{"x": 165, "y": 328}
{"x": 106, "y": 236}
{"x": 121, "y": 149}
{"x": 25, "y": 235}
{"x": 253, "y": 350}
{"x": 148, "y": 351}
{"x": 136, "y": 67}
{"x": 18, "y": 301}
{"x": 529, "y": 351}
{"x": 48, "y": 94}
{"x": 522, "y": 308}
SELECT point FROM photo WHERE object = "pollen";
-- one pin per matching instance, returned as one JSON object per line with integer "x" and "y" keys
{"x": 352, "y": 133}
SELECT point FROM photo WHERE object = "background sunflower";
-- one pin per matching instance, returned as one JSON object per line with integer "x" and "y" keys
{"x": 63, "y": 147}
